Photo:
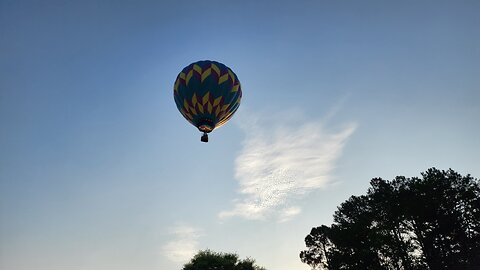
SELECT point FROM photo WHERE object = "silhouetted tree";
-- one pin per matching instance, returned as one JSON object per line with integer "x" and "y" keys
{"x": 414, "y": 223}
{"x": 209, "y": 260}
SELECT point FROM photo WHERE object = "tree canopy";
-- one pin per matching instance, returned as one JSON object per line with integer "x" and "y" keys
{"x": 209, "y": 260}
{"x": 427, "y": 223}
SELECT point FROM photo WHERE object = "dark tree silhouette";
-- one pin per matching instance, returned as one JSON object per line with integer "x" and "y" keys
{"x": 209, "y": 260}
{"x": 427, "y": 223}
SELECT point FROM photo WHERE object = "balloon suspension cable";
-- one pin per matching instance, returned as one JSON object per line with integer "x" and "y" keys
{"x": 204, "y": 137}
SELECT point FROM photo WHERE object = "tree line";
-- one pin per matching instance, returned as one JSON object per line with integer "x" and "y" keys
{"x": 427, "y": 223}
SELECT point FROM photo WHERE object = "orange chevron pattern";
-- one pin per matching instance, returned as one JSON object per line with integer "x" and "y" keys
{"x": 208, "y": 104}
{"x": 203, "y": 74}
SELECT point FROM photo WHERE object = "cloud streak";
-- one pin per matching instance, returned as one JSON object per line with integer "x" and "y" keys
{"x": 184, "y": 244}
{"x": 281, "y": 162}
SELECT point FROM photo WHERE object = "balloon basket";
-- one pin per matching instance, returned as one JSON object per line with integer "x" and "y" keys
{"x": 204, "y": 138}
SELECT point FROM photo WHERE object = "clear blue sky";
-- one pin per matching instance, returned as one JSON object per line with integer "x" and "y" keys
{"x": 98, "y": 169}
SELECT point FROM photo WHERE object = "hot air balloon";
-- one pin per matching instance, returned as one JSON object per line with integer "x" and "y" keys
{"x": 207, "y": 94}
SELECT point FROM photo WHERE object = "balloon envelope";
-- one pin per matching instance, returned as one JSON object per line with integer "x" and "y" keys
{"x": 207, "y": 94}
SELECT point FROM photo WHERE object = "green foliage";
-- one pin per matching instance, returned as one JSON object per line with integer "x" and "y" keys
{"x": 424, "y": 223}
{"x": 209, "y": 260}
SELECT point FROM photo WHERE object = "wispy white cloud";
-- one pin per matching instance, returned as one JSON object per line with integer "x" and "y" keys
{"x": 281, "y": 162}
{"x": 288, "y": 213}
{"x": 183, "y": 245}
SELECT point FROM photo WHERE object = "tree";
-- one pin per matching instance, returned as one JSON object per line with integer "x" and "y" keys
{"x": 426, "y": 223}
{"x": 209, "y": 260}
